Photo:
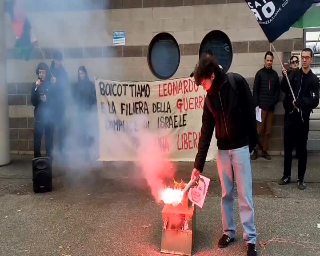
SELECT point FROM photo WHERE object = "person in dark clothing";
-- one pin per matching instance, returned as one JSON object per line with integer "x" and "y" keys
{"x": 61, "y": 83}
{"x": 266, "y": 92}
{"x": 294, "y": 65}
{"x": 86, "y": 102}
{"x": 84, "y": 91}
{"x": 229, "y": 109}
{"x": 42, "y": 97}
{"x": 305, "y": 86}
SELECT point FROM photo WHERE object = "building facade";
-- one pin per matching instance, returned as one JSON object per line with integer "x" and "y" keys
{"x": 85, "y": 33}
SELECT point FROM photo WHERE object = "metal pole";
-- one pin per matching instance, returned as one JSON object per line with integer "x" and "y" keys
{"x": 4, "y": 111}
{"x": 282, "y": 67}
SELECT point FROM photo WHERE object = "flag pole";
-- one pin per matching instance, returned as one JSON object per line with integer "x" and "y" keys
{"x": 315, "y": 48}
{"x": 44, "y": 58}
{"x": 286, "y": 75}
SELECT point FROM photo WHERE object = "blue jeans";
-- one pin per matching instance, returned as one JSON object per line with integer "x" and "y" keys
{"x": 235, "y": 165}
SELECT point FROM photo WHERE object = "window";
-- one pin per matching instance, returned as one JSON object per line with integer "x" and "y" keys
{"x": 312, "y": 40}
{"x": 220, "y": 45}
{"x": 163, "y": 56}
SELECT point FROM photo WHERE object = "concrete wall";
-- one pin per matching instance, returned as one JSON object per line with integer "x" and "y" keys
{"x": 85, "y": 38}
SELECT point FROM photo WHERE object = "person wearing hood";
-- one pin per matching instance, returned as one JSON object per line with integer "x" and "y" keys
{"x": 266, "y": 91}
{"x": 42, "y": 98}
{"x": 230, "y": 111}
{"x": 84, "y": 91}
{"x": 61, "y": 83}
{"x": 86, "y": 103}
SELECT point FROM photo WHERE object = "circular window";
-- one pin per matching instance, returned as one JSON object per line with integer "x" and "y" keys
{"x": 164, "y": 56}
{"x": 220, "y": 45}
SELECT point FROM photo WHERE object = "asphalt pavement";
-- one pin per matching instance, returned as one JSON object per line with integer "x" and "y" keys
{"x": 110, "y": 211}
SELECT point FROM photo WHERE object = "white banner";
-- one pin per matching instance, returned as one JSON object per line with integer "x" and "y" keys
{"x": 167, "y": 113}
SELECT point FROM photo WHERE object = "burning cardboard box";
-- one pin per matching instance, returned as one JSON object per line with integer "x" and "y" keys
{"x": 178, "y": 219}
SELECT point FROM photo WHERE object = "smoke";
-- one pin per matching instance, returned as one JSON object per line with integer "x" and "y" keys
{"x": 153, "y": 164}
{"x": 76, "y": 29}
{"x": 59, "y": 25}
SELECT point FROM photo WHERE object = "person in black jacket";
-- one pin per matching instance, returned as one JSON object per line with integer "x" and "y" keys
{"x": 85, "y": 91}
{"x": 42, "y": 97}
{"x": 294, "y": 65}
{"x": 266, "y": 92}
{"x": 86, "y": 102}
{"x": 229, "y": 109}
{"x": 61, "y": 83}
{"x": 305, "y": 86}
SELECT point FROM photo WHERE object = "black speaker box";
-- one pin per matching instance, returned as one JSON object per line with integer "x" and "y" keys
{"x": 42, "y": 174}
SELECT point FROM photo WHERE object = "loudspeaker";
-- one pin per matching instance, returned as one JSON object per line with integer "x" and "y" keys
{"x": 42, "y": 174}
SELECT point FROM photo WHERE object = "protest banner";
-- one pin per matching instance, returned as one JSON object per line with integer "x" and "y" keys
{"x": 170, "y": 110}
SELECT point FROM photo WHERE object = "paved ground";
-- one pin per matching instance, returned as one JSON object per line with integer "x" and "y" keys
{"x": 102, "y": 213}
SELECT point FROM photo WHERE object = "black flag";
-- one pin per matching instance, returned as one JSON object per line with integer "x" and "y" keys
{"x": 277, "y": 16}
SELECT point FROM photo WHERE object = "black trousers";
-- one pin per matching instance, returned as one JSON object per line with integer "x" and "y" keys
{"x": 295, "y": 136}
{"x": 39, "y": 129}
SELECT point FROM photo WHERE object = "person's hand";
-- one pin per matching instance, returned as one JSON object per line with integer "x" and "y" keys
{"x": 43, "y": 97}
{"x": 294, "y": 104}
{"x": 284, "y": 71}
{"x": 195, "y": 175}
{"x": 38, "y": 82}
{"x": 53, "y": 80}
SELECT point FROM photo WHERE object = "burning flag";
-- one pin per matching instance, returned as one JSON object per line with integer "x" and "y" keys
{"x": 25, "y": 39}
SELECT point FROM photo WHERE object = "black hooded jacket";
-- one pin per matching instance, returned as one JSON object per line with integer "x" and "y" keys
{"x": 43, "y": 110}
{"x": 62, "y": 86}
{"x": 85, "y": 94}
{"x": 231, "y": 112}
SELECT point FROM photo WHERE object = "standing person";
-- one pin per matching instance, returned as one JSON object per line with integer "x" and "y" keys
{"x": 61, "y": 83}
{"x": 305, "y": 86}
{"x": 294, "y": 65}
{"x": 86, "y": 102}
{"x": 42, "y": 100}
{"x": 266, "y": 92}
{"x": 229, "y": 108}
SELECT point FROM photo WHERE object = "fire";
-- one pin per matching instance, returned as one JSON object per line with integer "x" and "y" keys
{"x": 175, "y": 195}
{"x": 171, "y": 196}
